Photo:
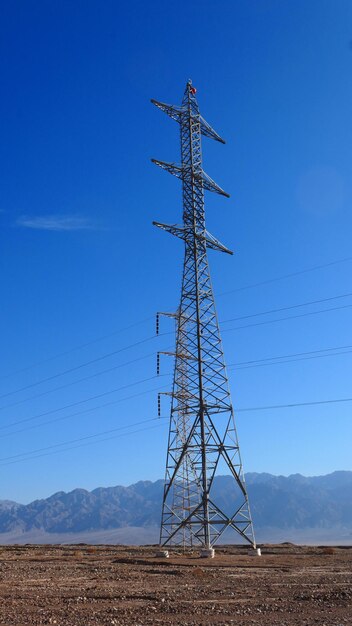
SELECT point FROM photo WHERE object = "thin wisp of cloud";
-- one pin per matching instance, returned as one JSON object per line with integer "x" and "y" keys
{"x": 56, "y": 222}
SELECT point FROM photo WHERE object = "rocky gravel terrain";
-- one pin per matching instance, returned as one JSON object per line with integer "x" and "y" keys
{"x": 127, "y": 586}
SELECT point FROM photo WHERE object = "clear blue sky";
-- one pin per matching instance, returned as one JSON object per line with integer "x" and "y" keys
{"x": 79, "y": 258}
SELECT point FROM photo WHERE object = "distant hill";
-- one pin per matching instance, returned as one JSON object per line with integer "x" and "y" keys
{"x": 5, "y": 505}
{"x": 284, "y": 507}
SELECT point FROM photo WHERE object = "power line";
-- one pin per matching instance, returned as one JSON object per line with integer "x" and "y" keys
{"x": 293, "y": 404}
{"x": 274, "y": 360}
{"x": 143, "y": 341}
{"x": 245, "y": 409}
{"x": 285, "y": 356}
{"x": 236, "y": 366}
{"x": 88, "y": 410}
{"x": 79, "y": 380}
{"x": 291, "y": 317}
{"x": 84, "y": 400}
{"x": 138, "y": 343}
{"x": 307, "y": 358}
{"x": 77, "y": 367}
{"x": 287, "y": 308}
{"x": 139, "y": 322}
{"x": 79, "y": 347}
{"x": 81, "y": 445}
{"x": 150, "y": 338}
{"x": 291, "y": 275}
{"x": 65, "y": 443}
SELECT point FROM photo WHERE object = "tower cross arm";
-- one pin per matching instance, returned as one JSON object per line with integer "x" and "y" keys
{"x": 174, "y": 229}
{"x": 208, "y": 131}
{"x": 175, "y": 113}
{"x": 172, "y": 111}
{"x": 180, "y": 231}
{"x": 215, "y": 244}
{"x": 211, "y": 185}
{"x": 174, "y": 169}
{"x": 180, "y": 171}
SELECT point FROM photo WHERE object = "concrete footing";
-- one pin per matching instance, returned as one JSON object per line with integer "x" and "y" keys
{"x": 162, "y": 554}
{"x": 207, "y": 553}
{"x": 254, "y": 552}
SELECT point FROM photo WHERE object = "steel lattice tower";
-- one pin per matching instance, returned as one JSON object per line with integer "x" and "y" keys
{"x": 202, "y": 435}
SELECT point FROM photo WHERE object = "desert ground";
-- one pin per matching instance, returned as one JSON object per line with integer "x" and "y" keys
{"x": 84, "y": 585}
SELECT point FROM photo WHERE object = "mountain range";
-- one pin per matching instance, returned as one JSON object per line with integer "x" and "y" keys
{"x": 283, "y": 508}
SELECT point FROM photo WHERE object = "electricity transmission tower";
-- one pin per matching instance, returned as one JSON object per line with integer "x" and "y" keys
{"x": 202, "y": 434}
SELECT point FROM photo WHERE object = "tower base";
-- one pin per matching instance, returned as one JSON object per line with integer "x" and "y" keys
{"x": 207, "y": 553}
{"x": 254, "y": 552}
{"x": 162, "y": 554}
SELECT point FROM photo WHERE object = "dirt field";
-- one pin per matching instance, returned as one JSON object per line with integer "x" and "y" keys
{"x": 127, "y": 586}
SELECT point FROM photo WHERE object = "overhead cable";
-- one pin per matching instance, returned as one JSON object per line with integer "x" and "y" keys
{"x": 77, "y": 367}
{"x": 79, "y": 347}
{"x": 287, "y": 308}
{"x": 5, "y": 461}
{"x": 81, "y": 445}
{"x": 285, "y": 276}
{"x": 83, "y": 412}
{"x": 120, "y": 330}
{"x": 290, "y": 317}
{"x": 83, "y": 401}
{"x": 314, "y": 354}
